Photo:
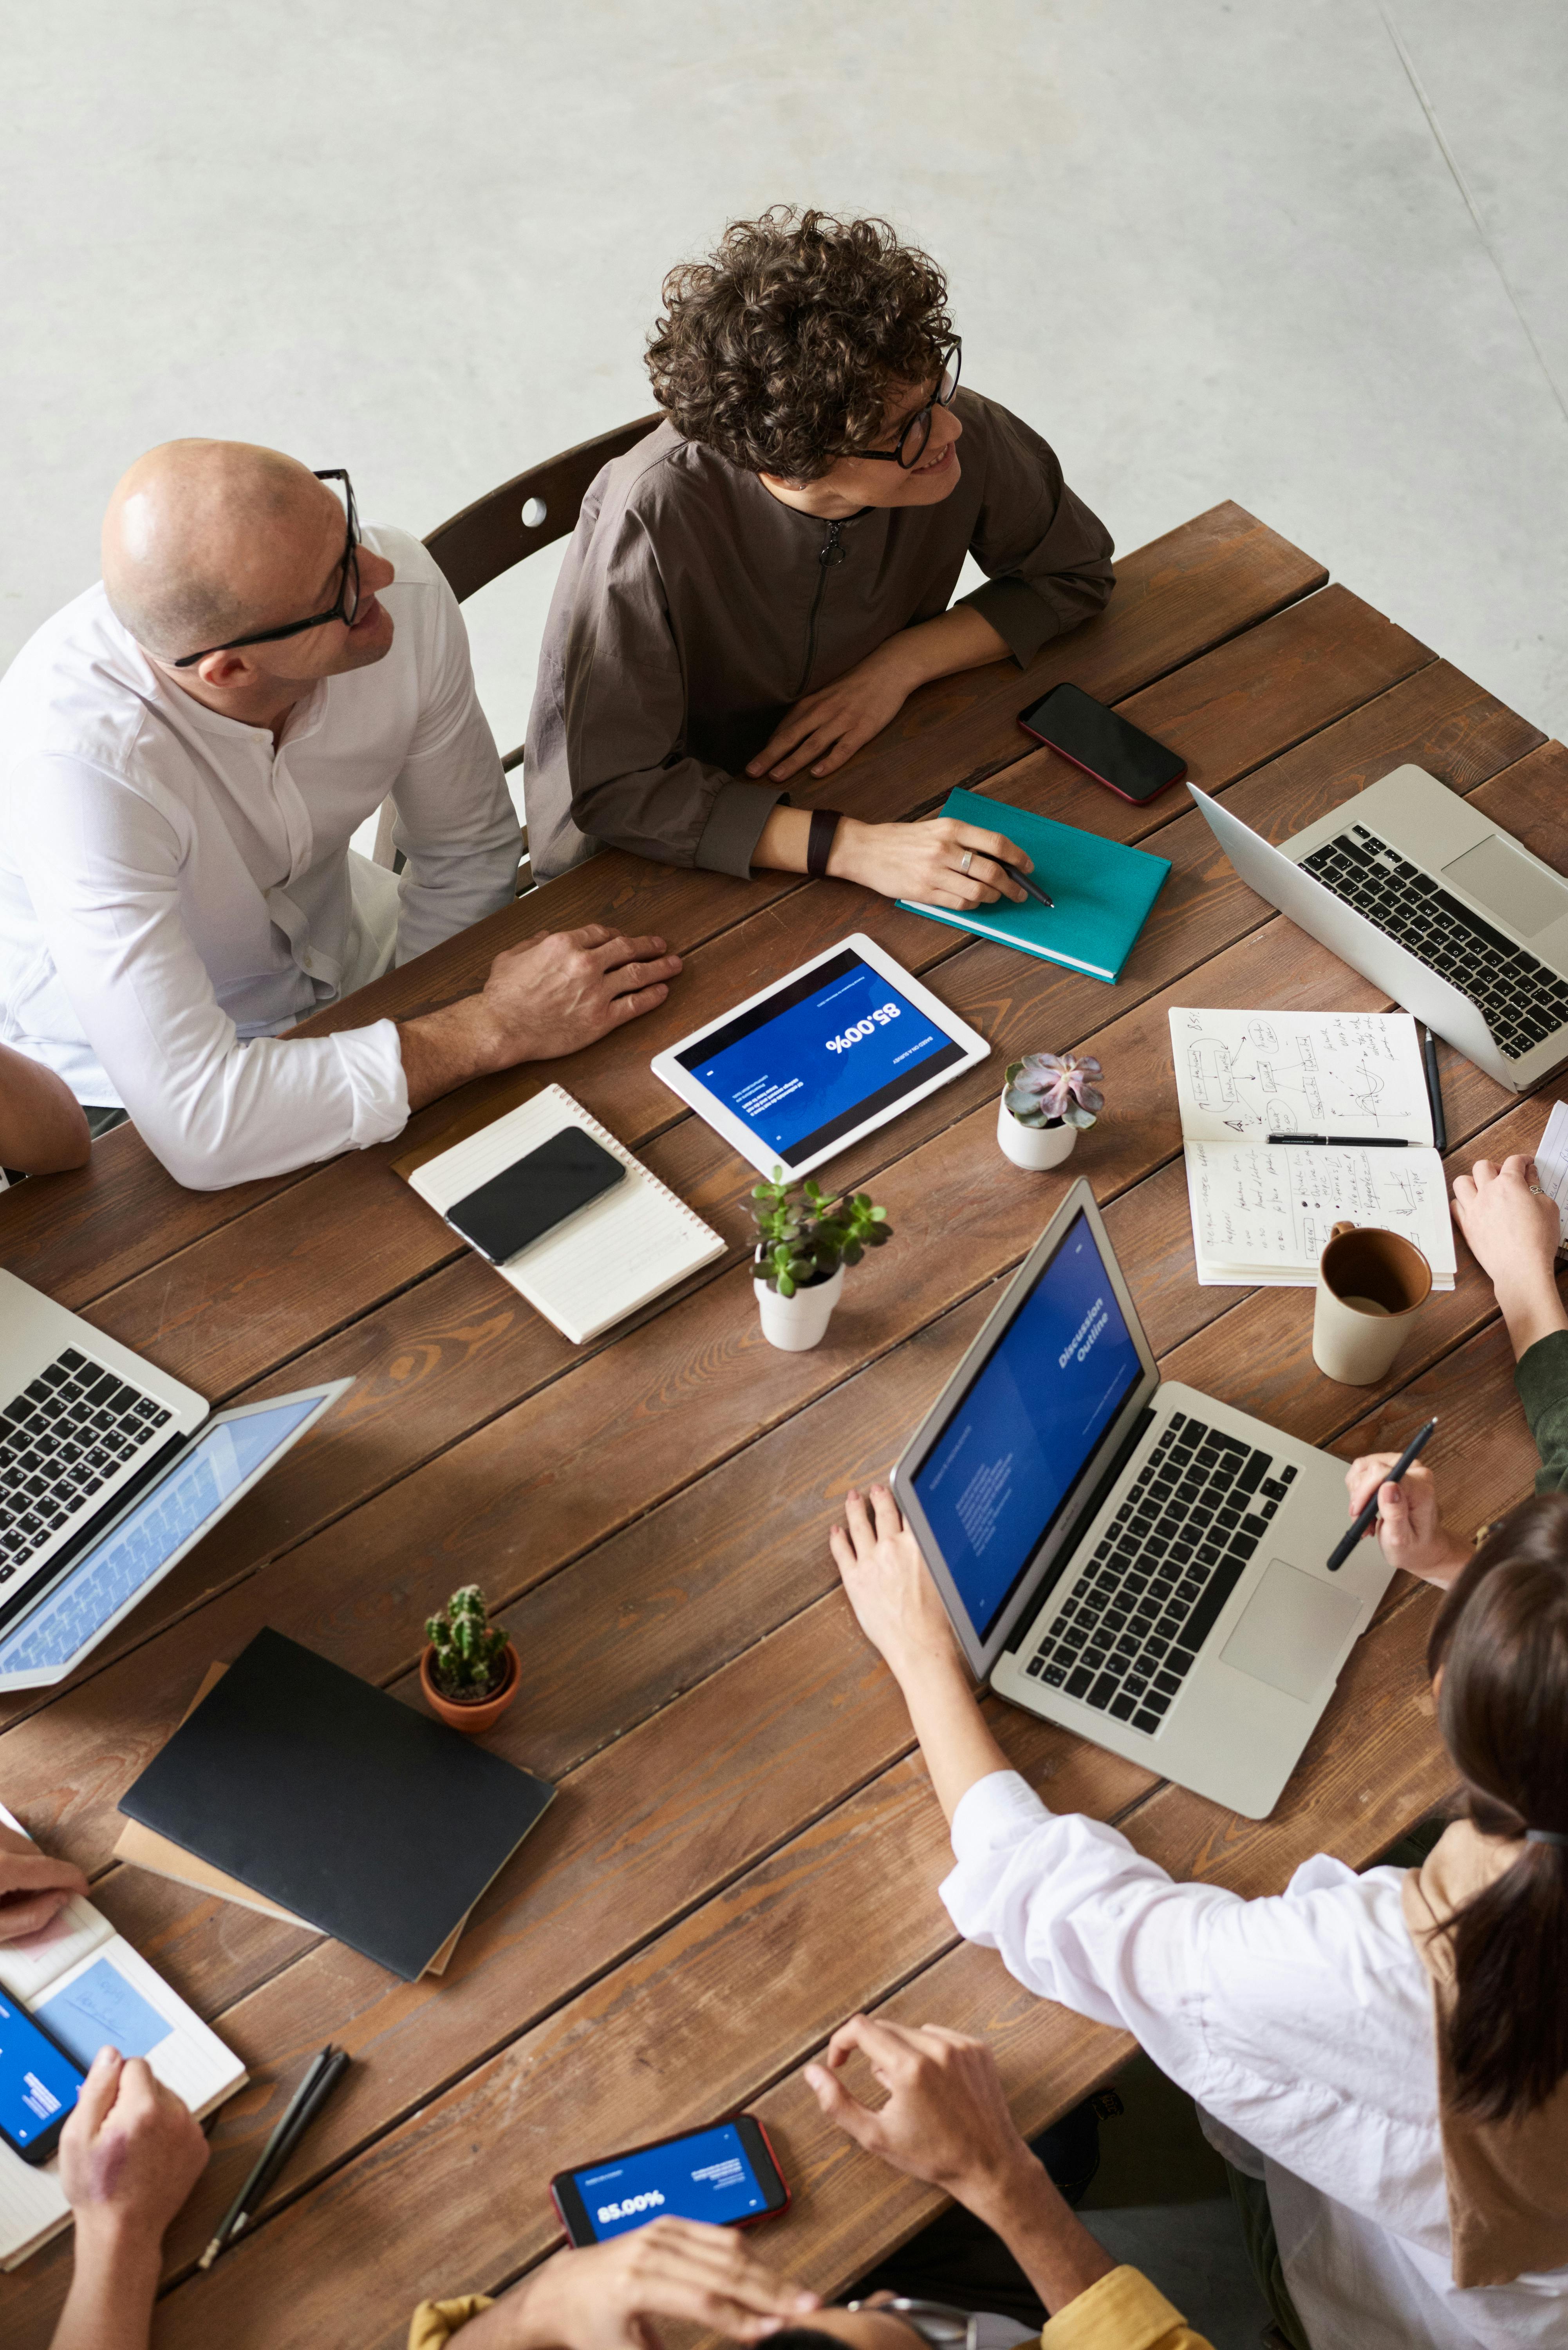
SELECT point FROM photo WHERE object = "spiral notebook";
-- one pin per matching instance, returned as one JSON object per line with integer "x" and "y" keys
{"x": 614, "y": 1255}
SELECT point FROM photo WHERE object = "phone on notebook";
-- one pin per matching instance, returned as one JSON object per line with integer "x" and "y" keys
{"x": 534, "y": 1194}
{"x": 727, "y": 2174}
{"x": 40, "y": 2084}
{"x": 1122, "y": 757}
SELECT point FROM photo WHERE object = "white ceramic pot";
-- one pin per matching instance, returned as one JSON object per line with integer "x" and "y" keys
{"x": 800, "y": 1321}
{"x": 1034, "y": 1147}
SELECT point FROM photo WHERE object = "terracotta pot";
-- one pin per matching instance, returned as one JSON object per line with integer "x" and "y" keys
{"x": 1034, "y": 1147}
{"x": 486, "y": 1712}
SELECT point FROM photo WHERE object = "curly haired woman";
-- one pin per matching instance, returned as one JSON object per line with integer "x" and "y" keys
{"x": 754, "y": 590}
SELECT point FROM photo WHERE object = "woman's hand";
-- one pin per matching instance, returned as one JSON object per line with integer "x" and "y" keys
{"x": 925, "y": 861}
{"x": 1513, "y": 1230}
{"x": 896, "y": 1604}
{"x": 827, "y": 727}
{"x": 946, "y": 2118}
{"x": 33, "y": 1887}
{"x": 1409, "y": 1525}
{"x": 601, "y": 2296}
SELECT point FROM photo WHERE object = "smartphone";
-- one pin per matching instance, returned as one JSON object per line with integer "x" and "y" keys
{"x": 39, "y": 2084}
{"x": 727, "y": 2174}
{"x": 539, "y": 1191}
{"x": 1124, "y": 760}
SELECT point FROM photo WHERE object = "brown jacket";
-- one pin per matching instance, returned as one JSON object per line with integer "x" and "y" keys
{"x": 694, "y": 609}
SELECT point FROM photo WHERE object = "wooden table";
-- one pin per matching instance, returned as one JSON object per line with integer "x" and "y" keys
{"x": 744, "y": 1849}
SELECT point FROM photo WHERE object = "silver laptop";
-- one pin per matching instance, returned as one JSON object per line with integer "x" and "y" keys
{"x": 109, "y": 1471}
{"x": 1423, "y": 895}
{"x": 1124, "y": 1555}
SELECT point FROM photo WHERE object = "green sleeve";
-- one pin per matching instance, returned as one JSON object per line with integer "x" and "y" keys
{"x": 1540, "y": 1375}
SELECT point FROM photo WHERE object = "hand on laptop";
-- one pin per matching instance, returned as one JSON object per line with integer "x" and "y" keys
{"x": 600, "y": 2296}
{"x": 1409, "y": 1525}
{"x": 33, "y": 1887}
{"x": 1513, "y": 1230}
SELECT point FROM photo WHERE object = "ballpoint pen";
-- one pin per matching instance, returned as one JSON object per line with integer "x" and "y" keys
{"x": 1348, "y": 1141}
{"x": 1027, "y": 881}
{"x": 320, "y": 2077}
{"x": 1435, "y": 1093}
{"x": 1369, "y": 1510}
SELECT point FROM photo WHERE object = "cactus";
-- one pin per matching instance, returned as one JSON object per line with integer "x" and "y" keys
{"x": 467, "y": 1649}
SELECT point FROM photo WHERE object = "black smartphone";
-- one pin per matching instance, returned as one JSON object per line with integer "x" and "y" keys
{"x": 39, "y": 2084}
{"x": 1120, "y": 756}
{"x": 727, "y": 2174}
{"x": 540, "y": 1192}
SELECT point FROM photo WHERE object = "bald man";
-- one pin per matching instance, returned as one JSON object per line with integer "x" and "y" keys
{"x": 185, "y": 751}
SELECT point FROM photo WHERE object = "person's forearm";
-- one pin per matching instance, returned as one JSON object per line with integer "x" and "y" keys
{"x": 957, "y": 1746}
{"x": 446, "y": 1048}
{"x": 113, "y": 2287}
{"x": 1051, "y": 2244}
{"x": 42, "y": 1125}
{"x": 961, "y": 639}
{"x": 1531, "y": 1308}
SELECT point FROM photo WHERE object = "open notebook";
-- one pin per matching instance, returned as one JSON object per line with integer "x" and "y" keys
{"x": 1263, "y": 1211}
{"x": 85, "y": 1985}
{"x": 601, "y": 1265}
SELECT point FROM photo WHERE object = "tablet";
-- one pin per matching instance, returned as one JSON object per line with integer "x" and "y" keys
{"x": 796, "y": 1074}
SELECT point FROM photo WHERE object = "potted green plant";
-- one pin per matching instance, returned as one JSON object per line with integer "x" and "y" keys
{"x": 1047, "y": 1098}
{"x": 469, "y": 1670}
{"x": 805, "y": 1239}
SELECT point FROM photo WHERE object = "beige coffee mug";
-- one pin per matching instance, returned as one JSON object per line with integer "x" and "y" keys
{"x": 1371, "y": 1286}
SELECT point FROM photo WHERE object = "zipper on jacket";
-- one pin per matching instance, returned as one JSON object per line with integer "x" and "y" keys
{"x": 831, "y": 552}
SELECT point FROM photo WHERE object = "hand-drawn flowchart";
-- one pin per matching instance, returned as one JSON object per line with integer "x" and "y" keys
{"x": 1244, "y": 1076}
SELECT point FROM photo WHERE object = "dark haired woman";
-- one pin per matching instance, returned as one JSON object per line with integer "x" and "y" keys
{"x": 755, "y": 588}
{"x": 1386, "y": 2054}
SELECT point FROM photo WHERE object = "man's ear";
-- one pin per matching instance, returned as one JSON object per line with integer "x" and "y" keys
{"x": 228, "y": 672}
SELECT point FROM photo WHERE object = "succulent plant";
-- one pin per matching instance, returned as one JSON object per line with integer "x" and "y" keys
{"x": 467, "y": 1647}
{"x": 1051, "y": 1088}
{"x": 802, "y": 1236}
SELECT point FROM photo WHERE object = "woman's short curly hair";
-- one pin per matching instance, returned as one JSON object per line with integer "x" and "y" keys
{"x": 779, "y": 349}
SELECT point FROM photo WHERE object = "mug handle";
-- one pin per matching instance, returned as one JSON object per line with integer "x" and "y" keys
{"x": 1336, "y": 1229}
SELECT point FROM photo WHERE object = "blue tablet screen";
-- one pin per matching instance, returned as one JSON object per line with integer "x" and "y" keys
{"x": 818, "y": 1059}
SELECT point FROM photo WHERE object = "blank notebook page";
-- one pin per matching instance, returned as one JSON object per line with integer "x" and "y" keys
{"x": 626, "y": 1247}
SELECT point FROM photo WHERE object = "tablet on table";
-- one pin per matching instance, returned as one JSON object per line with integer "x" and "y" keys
{"x": 825, "y": 1054}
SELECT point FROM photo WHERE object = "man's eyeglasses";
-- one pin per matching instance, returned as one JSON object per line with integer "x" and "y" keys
{"x": 912, "y": 439}
{"x": 344, "y": 609}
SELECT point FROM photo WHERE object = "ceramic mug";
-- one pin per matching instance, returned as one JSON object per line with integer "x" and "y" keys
{"x": 1371, "y": 1286}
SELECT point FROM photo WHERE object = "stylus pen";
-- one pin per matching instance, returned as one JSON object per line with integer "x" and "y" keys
{"x": 1369, "y": 1510}
{"x": 1027, "y": 881}
{"x": 1435, "y": 1093}
{"x": 275, "y": 2152}
{"x": 1347, "y": 1141}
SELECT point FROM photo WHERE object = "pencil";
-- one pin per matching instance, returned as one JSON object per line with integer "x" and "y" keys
{"x": 261, "y": 2169}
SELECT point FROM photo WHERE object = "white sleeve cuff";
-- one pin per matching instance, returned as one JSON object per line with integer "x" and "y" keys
{"x": 372, "y": 1061}
{"x": 993, "y": 1816}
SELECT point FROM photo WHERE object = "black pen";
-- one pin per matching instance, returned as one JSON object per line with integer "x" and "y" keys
{"x": 1435, "y": 1094}
{"x": 314, "y": 2087}
{"x": 1369, "y": 1510}
{"x": 1347, "y": 1141}
{"x": 1027, "y": 881}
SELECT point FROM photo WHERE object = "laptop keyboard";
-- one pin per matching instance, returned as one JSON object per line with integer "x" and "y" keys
{"x": 1161, "y": 1573}
{"x": 72, "y": 1428}
{"x": 1522, "y": 1000}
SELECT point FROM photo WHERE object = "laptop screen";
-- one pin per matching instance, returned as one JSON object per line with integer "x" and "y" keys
{"x": 171, "y": 1514}
{"x": 1026, "y": 1429}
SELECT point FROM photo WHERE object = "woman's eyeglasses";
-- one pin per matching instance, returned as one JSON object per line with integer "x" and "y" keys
{"x": 912, "y": 439}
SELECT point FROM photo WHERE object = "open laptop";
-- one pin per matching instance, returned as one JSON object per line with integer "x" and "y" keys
{"x": 109, "y": 1471}
{"x": 1421, "y": 893}
{"x": 1124, "y": 1555}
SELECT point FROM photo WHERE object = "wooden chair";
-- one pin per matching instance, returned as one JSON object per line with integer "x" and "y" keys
{"x": 502, "y": 529}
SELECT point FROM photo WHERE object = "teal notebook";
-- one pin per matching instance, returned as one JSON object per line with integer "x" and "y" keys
{"x": 1103, "y": 890}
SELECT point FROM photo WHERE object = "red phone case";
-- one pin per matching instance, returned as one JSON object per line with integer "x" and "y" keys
{"x": 755, "y": 2221}
{"x": 1096, "y": 773}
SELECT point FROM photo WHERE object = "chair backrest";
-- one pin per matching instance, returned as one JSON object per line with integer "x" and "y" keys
{"x": 527, "y": 513}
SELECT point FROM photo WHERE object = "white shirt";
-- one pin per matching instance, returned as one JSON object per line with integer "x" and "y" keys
{"x": 175, "y": 891}
{"x": 1303, "y": 2025}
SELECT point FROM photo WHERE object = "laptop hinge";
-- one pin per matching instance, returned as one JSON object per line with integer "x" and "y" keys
{"x": 1090, "y": 1512}
{"x": 32, "y": 1595}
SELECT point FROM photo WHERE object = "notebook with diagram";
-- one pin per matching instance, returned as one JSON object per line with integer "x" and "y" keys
{"x": 626, "y": 1248}
{"x": 1262, "y": 1210}
{"x": 86, "y": 1986}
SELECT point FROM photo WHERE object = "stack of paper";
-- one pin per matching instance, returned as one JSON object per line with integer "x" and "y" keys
{"x": 1263, "y": 1211}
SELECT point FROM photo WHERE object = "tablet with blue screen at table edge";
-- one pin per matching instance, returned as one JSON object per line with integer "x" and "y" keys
{"x": 823, "y": 1056}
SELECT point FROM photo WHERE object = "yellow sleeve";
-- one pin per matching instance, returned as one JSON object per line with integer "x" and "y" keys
{"x": 1123, "y": 2312}
{"x": 435, "y": 2321}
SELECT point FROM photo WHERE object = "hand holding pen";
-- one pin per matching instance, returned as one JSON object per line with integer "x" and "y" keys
{"x": 1409, "y": 1523}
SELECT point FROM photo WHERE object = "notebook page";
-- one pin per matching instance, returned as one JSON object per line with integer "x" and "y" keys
{"x": 113, "y": 1995}
{"x": 26, "y": 1966}
{"x": 628, "y": 1246}
{"x": 1265, "y": 1214}
{"x": 1244, "y": 1076}
{"x": 32, "y": 2206}
{"x": 1552, "y": 1162}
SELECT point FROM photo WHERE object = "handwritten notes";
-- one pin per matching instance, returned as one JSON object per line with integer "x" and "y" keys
{"x": 1552, "y": 1162}
{"x": 1244, "y": 1076}
{"x": 1262, "y": 1214}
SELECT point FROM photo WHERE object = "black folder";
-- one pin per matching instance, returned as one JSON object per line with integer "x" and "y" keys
{"x": 378, "y": 1825}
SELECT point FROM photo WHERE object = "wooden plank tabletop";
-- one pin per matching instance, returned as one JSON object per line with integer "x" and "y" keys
{"x": 745, "y": 1849}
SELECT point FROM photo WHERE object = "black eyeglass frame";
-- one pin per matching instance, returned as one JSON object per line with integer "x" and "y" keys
{"x": 920, "y": 422}
{"x": 344, "y": 609}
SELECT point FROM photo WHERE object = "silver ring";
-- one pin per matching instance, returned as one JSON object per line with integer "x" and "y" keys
{"x": 966, "y": 860}
{"x": 1535, "y": 1187}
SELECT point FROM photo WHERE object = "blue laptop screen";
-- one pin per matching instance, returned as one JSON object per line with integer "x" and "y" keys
{"x": 995, "y": 1481}
{"x": 167, "y": 1514}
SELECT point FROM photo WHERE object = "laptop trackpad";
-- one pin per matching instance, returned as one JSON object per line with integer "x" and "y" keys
{"x": 1291, "y": 1630}
{"x": 1513, "y": 888}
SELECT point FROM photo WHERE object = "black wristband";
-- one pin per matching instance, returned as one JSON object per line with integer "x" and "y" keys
{"x": 824, "y": 824}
